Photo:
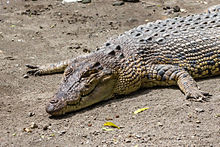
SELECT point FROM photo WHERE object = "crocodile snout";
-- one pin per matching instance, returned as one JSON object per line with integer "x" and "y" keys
{"x": 55, "y": 107}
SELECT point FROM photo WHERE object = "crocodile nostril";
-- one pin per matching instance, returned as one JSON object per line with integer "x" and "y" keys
{"x": 54, "y": 101}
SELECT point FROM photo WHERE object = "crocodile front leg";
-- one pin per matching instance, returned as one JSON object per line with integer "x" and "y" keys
{"x": 50, "y": 68}
{"x": 165, "y": 75}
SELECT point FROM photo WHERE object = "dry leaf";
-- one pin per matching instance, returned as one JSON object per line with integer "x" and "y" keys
{"x": 110, "y": 124}
{"x": 140, "y": 110}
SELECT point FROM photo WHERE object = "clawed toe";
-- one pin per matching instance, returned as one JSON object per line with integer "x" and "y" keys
{"x": 198, "y": 96}
{"x": 33, "y": 72}
{"x": 31, "y": 66}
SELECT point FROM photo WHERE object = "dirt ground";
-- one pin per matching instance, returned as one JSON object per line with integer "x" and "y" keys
{"x": 44, "y": 31}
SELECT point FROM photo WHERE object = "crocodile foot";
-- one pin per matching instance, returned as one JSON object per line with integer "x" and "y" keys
{"x": 197, "y": 95}
{"x": 35, "y": 70}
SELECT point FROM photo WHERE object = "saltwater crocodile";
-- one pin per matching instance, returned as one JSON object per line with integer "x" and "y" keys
{"x": 161, "y": 53}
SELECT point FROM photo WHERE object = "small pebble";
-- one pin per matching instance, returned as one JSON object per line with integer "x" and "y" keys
{"x": 127, "y": 140}
{"x": 45, "y": 127}
{"x": 27, "y": 130}
{"x": 167, "y": 7}
{"x": 118, "y": 3}
{"x": 30, "y": 114}
{"x": 108, "y": 118}
{"x": 86, "y": 51}
{"x": 86, "y": 1}
{"x": 131, "y": 1}
{"x": 62, "y": 132}
{"x": 183, "y": 10}
{"x": 26, "y": 76}
{"x": 176, "y": 9}
{"x": 160, "y": 124}
{"x": 198, "y": 122}
{"x": 199, "y": 110}
{"x": 34, "y": 125}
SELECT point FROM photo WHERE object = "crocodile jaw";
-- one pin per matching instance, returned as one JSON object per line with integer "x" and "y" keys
{"x": 102, "y": 91}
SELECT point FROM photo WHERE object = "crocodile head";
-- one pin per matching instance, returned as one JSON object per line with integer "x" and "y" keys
{"x": 83, "y": 84}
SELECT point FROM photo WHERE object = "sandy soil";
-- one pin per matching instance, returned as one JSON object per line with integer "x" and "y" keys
{"x": 43, "y": 31}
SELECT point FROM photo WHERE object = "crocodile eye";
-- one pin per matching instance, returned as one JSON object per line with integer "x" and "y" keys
{"x": 94, "y": 68}
{"x": 86, "y": 85}
{"x": 88, "y": 73}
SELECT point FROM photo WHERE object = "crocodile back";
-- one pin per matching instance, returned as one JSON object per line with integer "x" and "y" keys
{"x": 191, "y": 42}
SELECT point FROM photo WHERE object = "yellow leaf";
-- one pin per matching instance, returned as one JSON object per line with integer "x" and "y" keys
{"x": 140, "y": 110}
{"x": 14, "y": 134}
{"x": 111, "y": 125}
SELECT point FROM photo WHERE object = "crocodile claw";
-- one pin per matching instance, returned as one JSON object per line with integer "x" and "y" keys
{"x": 198, "y": 95}
{"x": 35, "y": 70}
{"x": 31, "y": 66}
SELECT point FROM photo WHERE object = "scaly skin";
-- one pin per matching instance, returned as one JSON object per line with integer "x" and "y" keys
{"x": 161, "y": 53}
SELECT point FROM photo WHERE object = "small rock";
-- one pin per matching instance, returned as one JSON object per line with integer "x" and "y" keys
{"x": 199, "y": 110}
{"x": 176, "y": 9}
{"x": 167, "y": 7}
{"x": 86, "y": 51}
{"x": 45, "y": 127}
{"x": 30, "y": 114}
{"x": 27, "y": 130}
{"x": 108, "y": 118}
{"x": 1, "y": 36}
{"x": 134, "y": 1}
{"x": 132, "y": 20}
{"x": 62, "y": 132}
{"x": 118, "y": 3}
{"x": 198, "y": 121}
{"x": 86, "y": 1}
{"x": 117, "y": 116}
{"x": 34, "y": 125}
{"x": 26, "y": 76}
{"x": 127, "y": 140}
{"x": 89, "y": 124}
{"x": 160, "y": 124}
{"x": 75, "y": 46}
{"x": 183, "y": 10}
{"x": 9, "y": 58}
